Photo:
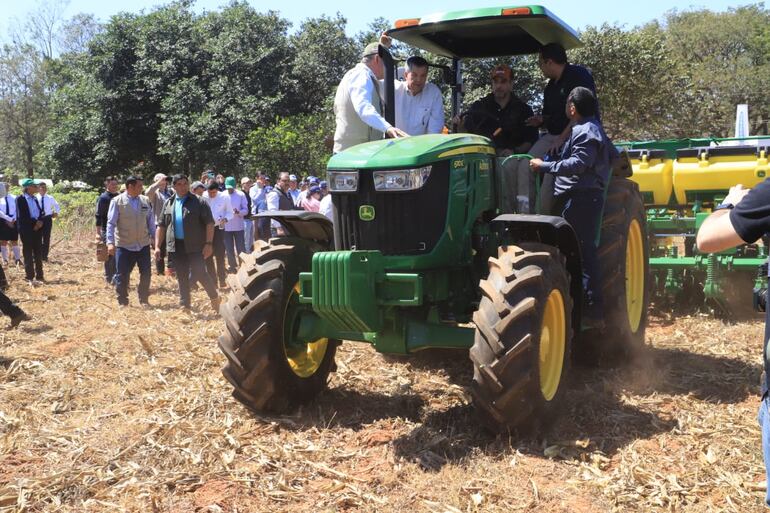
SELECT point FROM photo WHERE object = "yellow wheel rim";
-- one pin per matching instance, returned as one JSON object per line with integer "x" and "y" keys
{"x": 304, "y": 359}
{"x": 634, "y": 275}
{"x": 553, "y": 334}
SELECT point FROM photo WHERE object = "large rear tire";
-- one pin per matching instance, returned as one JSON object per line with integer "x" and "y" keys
{"x": 623, "y": 256}
{"x": 521, "y": 350}
{"x": 268, "y": 369}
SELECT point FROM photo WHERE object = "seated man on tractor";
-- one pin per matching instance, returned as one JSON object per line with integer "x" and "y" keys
{"x": 580, "y": 178}
{"x": 502, "y": 117}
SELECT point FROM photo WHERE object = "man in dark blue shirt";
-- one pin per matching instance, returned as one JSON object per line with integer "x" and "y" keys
{"x": 744, "y": 217}
{"x": 102, "y": 209}
{"x": 579, "y": 181}
{"x": 563, "y": 78}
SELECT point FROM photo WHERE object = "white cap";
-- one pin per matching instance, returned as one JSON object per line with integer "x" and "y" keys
{"x": 292, "y": 178}
{"x": 159, "y": 176}
{"x": 245, "y": 179}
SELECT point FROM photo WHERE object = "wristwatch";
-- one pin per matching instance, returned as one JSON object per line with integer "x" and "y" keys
{"x": 724, "y": 206}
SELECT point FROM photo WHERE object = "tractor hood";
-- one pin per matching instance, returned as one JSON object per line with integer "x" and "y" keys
{"x": 409, "y": 152}
{"x": 487, "y": 32}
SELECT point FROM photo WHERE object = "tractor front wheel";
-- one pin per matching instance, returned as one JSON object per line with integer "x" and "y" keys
{"x": 268, "y": 367}
{"x": 521, "y": 351}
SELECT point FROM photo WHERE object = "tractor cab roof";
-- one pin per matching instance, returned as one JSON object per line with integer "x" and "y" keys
{"x": 487, "y": 32}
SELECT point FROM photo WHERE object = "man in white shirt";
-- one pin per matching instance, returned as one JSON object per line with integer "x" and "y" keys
{"x": 279, "y": 199}
{"x": 358, "y": 104}
{"x": 419, "y": 104}
{"x": 234, "y": 228}
{"x": 222, "y": 212}
{"x": 50, "y": 212}
{"x": 327, "y": 207}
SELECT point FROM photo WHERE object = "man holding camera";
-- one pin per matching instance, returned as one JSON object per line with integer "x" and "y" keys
{"x": 742, "y": 218}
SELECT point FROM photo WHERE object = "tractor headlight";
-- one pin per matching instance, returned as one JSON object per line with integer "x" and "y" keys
{"x": 343, "y": 181}
{"x": 401, "y": 179}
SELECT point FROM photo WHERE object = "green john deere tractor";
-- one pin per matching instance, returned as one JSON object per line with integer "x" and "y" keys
{"x": 422, "y": 255}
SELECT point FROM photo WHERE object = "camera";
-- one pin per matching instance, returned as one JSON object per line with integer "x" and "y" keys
{"x": 760, "y": 293}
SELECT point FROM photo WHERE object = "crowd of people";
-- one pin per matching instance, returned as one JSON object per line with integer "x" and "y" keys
{"x": 194, "y": 231}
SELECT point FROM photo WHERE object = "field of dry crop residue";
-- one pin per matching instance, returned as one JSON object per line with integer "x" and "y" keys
{"x": 125, "y": 410}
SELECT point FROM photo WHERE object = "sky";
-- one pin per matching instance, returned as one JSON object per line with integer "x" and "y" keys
{"x": 576, "y": 14}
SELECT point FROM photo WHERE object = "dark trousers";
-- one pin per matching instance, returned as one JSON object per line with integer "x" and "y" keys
{"x": 160, "y": 265}
{"x": 7, "y": 306}
{"x": 110, "y": 269}
{"x": 3, "y": 279}
{"x": 582, "y": 210}
{"x": 46, "y": 234}
{"x": 190, "y": 266}
{"x": 125, "y": 261}
{"x": 32, "y": 249}
{"x": 217, "y": 269}
{"x": 263, "y": 227}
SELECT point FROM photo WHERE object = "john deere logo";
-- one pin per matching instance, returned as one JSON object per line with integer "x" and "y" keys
{"x": 366, "y": 212}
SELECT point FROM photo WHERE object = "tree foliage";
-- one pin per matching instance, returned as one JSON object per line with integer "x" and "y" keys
{"x": 238, "y": 89}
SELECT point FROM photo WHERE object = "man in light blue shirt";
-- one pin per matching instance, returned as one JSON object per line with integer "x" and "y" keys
{"x": 419, "y": 104}
{"x": 130, "y": 228}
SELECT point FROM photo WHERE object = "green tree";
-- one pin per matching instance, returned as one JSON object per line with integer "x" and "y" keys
{"x": 298, "y": 144}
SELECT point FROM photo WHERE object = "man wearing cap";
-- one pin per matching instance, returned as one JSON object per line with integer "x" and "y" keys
{"x": 419, "y": 104}
{"x": 502, "y": 117}
{"x": 198, "y": 188}
{"x": 222, "y": 212}
{"x": 563, "y": 77}
{"x": 358, "y": 104}
{"x": 158, "y": 193}
{"x": 130, "y": 230}
{"x": 187, "y": 229}
{"x": 29, "y": 219}
{"x": 234, "y": 244}
{"x": 50, "y": 208}
{"x": 293, "y": 191}
{"x": 248, "y": 223}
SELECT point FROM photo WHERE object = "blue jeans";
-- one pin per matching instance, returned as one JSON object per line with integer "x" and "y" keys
{"x": 125, "y": 261}
{"x": 764, "y": 423}
{"x": 233, "y": 247}
{"x": 248, "y": 235}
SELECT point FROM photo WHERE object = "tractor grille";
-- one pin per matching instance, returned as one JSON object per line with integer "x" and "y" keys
{"x": 405, "y": 223}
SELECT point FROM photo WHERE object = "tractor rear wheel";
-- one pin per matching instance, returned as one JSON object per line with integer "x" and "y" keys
{"x": 268, "y": 368}
{"x": 521, "y": 350}
{"x": 623, "y": 259}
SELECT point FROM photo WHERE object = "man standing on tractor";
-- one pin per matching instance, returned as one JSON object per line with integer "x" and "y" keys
{"x": 744, "y": 217}
{"x": 358, "y": 104}
{"x": 580, "y": 177}
{"x": 563, "y": 78}
{"x": 502, "y": 116}
{"x": 419, "y": 105}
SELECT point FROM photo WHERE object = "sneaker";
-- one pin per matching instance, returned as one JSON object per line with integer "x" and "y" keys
{"x": 18, "y": 263}
{"x": 18, "y": 319}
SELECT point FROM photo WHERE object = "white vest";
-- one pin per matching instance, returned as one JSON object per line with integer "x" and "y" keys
{"x": 350, "y": 130}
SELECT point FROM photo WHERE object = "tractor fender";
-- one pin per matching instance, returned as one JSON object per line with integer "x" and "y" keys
{"x": 554, "y": 231}
{"x": 304, "y": 225}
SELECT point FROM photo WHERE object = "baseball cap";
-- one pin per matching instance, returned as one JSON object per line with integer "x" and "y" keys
{"x": 502, "y": 71}
{"x": 315, "y": 189}
{"x": 197, "y": 184}
{"x": 245, "y": 179}
{"x": 29, "y": 181}
{"x": 312, "y": 180}
{"x": 370, "y": 49}
{"x": 230, "y": 182}
{"x": 159, "y": 176}
{"x": 323, "y": 184}
{"x": 292, "y": 178}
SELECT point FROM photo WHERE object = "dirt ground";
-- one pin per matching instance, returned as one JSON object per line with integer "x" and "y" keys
{"x": 106, "y": 409}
